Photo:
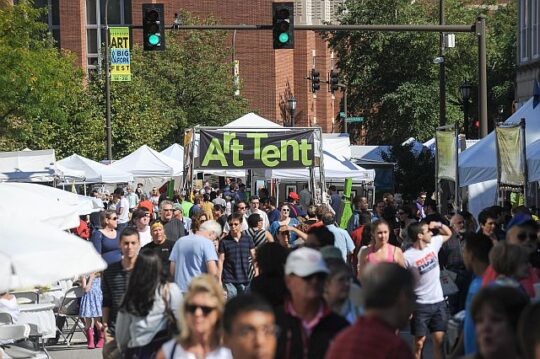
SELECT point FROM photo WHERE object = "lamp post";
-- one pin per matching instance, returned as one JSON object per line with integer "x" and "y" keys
{"x": 292, "y": 108}
{"x": 465, "y": 96}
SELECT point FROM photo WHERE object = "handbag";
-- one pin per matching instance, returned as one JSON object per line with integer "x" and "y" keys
{"x": 448, "y": 283}
{"x": 172, "y": 324}
{"x": 150, "y": 350}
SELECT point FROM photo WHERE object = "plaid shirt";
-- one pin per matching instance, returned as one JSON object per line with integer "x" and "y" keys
{"x": 237, "y": 254}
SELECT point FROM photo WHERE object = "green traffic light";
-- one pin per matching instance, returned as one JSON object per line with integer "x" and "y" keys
{"x": 153, "y": 39}
{"x": 283, "y": 37}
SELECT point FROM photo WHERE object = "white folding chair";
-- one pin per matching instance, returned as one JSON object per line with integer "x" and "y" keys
{"x": 14, "y": 338}
{"x": 69, "y": 309}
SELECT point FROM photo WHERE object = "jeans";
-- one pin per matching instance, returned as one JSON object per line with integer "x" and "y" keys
{"x": 233, "y": 289}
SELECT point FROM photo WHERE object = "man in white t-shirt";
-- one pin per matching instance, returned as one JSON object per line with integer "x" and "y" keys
{"x": 255, "y": 208}
{"x": 122, "y": 209}
{"x": 431, "y": 313}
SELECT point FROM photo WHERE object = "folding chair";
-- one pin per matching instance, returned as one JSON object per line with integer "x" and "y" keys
{"x": 22, "y": 340}
{"x": 69, "y": 309}
{"x": 27, "y": 297}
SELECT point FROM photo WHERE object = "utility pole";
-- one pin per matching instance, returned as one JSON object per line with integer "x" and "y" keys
{"x": 442, "y": 72}
{"x": 108, "y": 86}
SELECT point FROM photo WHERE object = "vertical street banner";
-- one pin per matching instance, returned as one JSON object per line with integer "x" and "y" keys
{"x": 510, "y": 156}
{"x": 243, "y": 149}
{"x": 446, "y": 154}
{"x": 120, "y": 56}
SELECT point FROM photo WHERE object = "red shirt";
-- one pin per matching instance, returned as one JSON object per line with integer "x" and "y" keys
{"x": 528, "y": 282}
{"x": 371, "y": 338}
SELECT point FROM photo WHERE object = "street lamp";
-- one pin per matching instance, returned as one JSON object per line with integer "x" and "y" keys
{"x": 465, "y": 96}
{"x": 292, "y": 107}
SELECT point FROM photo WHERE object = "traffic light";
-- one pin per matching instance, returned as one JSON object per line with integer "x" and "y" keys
{"x": 283, "y": 25}
{"x": 153, "y": 27}
{"x": 333, "y": 81}
{"x": 315, "y": 80}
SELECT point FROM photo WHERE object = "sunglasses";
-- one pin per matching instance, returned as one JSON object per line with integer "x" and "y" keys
{"x": 113, "y": 218}
{"x": 167, "y": 210}
{"x": 285, "y": 210}
{"x": 234, "y": 224}
{"x": 192, "y": 308}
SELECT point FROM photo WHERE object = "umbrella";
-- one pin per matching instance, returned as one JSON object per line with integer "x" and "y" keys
{"x": 38, "y": 254}
{"x": 35, "y": 202}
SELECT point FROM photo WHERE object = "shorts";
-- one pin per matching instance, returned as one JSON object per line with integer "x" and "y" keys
{"x": 429, "y": 318}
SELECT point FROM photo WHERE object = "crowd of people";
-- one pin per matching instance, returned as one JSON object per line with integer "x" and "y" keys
{"x": 220, "y": 273}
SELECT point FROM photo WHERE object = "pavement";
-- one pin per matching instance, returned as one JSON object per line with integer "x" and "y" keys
{"x": 78, "y": 349}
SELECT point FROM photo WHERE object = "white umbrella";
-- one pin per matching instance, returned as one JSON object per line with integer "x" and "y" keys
{"x": 35, "y": 202}
{"x": 37, "y": 254}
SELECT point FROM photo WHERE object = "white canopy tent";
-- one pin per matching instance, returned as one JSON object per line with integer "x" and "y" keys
{"x": 533, "y": 161}
{"x": 94, "y": 172}
{"x": 479, "y": 163}
{"x": 27, "y": 166}
{"x": 174, "y": 151}
{"x": 146, "y": 162}
{"x": 335, "y": 168}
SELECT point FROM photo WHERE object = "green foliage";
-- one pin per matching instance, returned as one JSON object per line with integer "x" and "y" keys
{"x": 413, "y": 172}
{"x": 42, "y": 91}
{"x": 392, "y": 80}
{"x": 46, "y": 103}
{"x": 188, "y": 84}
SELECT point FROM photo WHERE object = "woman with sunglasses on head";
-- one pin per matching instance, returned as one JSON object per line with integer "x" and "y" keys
{"x": 149, "y": 307}
{"x": 287, "y": 224}
{"x": 201, "y": 315}
{"x": 105, "y": 240}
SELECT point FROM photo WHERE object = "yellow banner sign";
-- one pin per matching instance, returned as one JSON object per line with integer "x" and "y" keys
{"x": 120, "y": 56}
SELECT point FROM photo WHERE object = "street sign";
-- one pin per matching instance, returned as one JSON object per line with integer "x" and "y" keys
{"x": 355, "y": 119}
{"x": 342, "y": 114}
{"x": 120, "y": 56}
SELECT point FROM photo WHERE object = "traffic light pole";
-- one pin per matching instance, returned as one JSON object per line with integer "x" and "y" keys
{"x": 478, "y": 28}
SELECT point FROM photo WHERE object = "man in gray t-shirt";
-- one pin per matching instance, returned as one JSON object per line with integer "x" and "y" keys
{"x": 195, "y": 254}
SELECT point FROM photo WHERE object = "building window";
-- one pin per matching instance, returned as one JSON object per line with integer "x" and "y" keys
{"x": 534, "y": 29}
{"x": 51, "y": 18}
{"x": 119, "y": 14}
{"x": 524, "y": 31}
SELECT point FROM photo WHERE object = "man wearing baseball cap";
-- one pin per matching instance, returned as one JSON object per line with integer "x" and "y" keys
{"x": 307, "y": 325}
{"x": 296, "y": 210}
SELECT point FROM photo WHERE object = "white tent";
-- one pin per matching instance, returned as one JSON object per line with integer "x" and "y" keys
{"x": 533, "y": 161}
{"x": 335, "y": 168}
{"x": 479, "y": 163}
{"x": 174, "y": 151}
{"x": 251, "y": 120}
{"x": 146, "y": 162}
{"x": 27, "y": 166}
{"x": 94, "y": 172}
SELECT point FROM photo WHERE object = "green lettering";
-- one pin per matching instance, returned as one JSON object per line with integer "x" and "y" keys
{"x": 236, "y": 147}
{"x": 227, "y": 138}
{"x": 270, "y": 156}
{"x": 214, "y": 146}
{"x": 305, "y": 147}
{"x": 257, "y": 143}
{"x": 295, "y": 149}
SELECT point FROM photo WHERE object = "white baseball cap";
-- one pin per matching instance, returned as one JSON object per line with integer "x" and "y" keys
{"x": 304, "y": 262}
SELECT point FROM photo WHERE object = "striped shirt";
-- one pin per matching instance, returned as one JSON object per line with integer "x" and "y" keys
{"x": 237, "y": 254}
{"x": 113, "y": 285}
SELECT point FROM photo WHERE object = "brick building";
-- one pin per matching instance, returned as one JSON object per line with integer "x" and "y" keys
{"x": 268, "y": 77}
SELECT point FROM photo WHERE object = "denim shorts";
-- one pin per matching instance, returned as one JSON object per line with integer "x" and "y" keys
{"x": 429, "y": 318}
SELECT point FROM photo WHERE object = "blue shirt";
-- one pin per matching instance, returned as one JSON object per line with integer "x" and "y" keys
{"x": 274, "y": 227}
{"x": 190, "y": 254}
{"x": 273, "y": 215}
{"x": 342, "y": 240}
{"x": 237, "y": 254}
{"x": 469, "y": 334}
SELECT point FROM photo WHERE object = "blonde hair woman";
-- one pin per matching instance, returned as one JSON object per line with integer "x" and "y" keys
{"x": 200, "y": 323}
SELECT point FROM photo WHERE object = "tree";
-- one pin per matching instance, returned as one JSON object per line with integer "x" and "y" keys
{"x": 43, "y": 102}
{"x": 188, "y": 84}
{"x": 392, "y": 80}
{"x": 414, "y": 172}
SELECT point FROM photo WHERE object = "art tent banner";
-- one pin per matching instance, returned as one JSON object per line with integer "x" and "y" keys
{"x": 510, "y": 155}
{"x": 244, "y": 149}
{"x": 446, "y": 154}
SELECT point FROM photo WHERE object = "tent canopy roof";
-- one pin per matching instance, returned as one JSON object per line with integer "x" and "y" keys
{"x": 174, "y": 151}
{"x": 27, "y": 166}
{"x": 95, "y": 172}
{"x": 146, "y": 162}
